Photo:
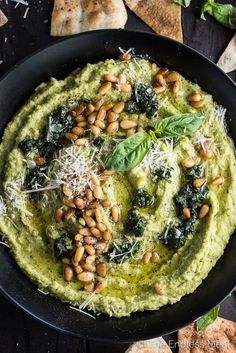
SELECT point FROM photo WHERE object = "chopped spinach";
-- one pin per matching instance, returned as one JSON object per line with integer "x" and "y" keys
{"x": 119, "y": 253}
{"x": 136, "y": 223}
{"x": 143, "y": 101}
{"x": 62, "y": 246}
{"x": 194, "y": 172}
{"x": 36, "y": 177}
{"x": 98, "y": 141}
{"x": 142, "y": 199}
{"x": 161, "y": 173}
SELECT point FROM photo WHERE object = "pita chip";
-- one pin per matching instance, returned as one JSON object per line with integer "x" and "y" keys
{"x": 156, "y": 345}
{"x": 75, "y": 16}
{"x": 218, "y": 337}
{"x": 3, "y": 19}
{"x": 227, "y": 61}
{"x": 163, "y": 16}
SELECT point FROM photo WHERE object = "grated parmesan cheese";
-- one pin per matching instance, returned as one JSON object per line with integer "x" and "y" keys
{"x": 83, "y": 312}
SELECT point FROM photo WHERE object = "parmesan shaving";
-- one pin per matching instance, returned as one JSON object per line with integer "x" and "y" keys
{"x": 17, "y": 198}
{"x": 22, "y": 2}
{"x": 26, "y": 12}
{"x": 87, "y": 300}
{"x": 83, "y": 312}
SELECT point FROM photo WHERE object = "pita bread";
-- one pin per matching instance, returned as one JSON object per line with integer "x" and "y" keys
{"x": 163, "y": 16}
{"x": 156, "y": 345}
{"x": 3, "y": 19}
{"x": 75, "y": 16}
{"x": 227, "y": 61}
{"x": 219, "y": 337}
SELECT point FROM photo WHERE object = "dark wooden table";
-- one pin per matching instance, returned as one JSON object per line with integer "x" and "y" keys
{"x": 21, "y": 37}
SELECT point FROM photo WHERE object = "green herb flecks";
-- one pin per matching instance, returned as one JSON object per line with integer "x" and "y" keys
{"x": 136, "y": 223}
{"x": 223, "y": 13}
{"x": 118, "y": 253}
{"x": 142, "y": 199}
{"x": 195, "y": 172}
{"x": 98, "y": 141}
{"x": 161, "y": 173}
{"x": 207, "y": 319}
{"x": 62, "y": 246}
{"x": 36, "y": 177}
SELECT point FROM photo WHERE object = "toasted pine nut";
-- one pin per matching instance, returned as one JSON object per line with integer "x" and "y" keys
{"x": 96, "y": 232}
{"x": 69, "y": 214}
{"x": 112, "y": 116}
{"x": 89, "y": 194}
{"x": 78, "y": 254}
{"x": 199, "y": 104}
{"x": 127, "y": 124}
{"x": 187, "y": 163}
{"x": 80, "y": 109}
{"x": 95, "y": 179}
{"x": 79, "y": 131}
{"x": 140, "y": 128}
{"x": 125, "y": 57}
{"x": 89, "y": 109}
{"x": 108, "y": 172}
{"x": 78, "y": 237}
{"x": 66, "y": 190}
{"x": 130, "y": 132}
{"x": 85, "y": 231}
{"x": 70, "y": 136}
{"x": 98, "y": 215}
{"x": 100, "y": 124}
{"x": 98, "y": 104}
{"x": 100, "y": 247}
{"x": 66, "y": 261}
{"x": 199, "y": 182}
{"x": 159, "y": 290}
{"x": 89, "y": 213}
{"x": 81, "y": 142}
{"x": 81, "y": 221}
{"x": 101, "y": 115}
{"x": 125, "y": 87}
{"x": 105, "y": 88}
{"x": 39, "y": 160}
{"x": 118, "y": 107}
{"x": 159, "y": 89}
{"x": 203, "y": 211}
{"x": 79, "y": 203}
{"x": 101, "y": 227}
{"x": 90, "y": 259}
{"x": 106, "y": 235}
{"x": 194, "y": 97}
{"x": 160, "y": 79}
{"x": 100, "y": 287}
{"x": 163, "y": 71}
{"x": 90, "y": 240}
{"x": 58, "y": 214}
{"x": 92, "y": 117}
{"x": 110, "y": 78}
{"x": 94, "y": 204}
{"x": 102, "y": 269}
{"x": 89, "y": 249}
{"x": 208, "y": 154}
{"x": 89, "y": 287}
{"x": 176, "y": 87}
{"x": 147, "y": 257}
{"x": 186, "y": 212}
{"x": 68, "y": 202}
{"x": 106, "y": 203}
{"x": 86, "y": 276}
{"x": 98, "y": 193}
{"x": 82, "y": 124}
{"x": 107, "y": 106}
{"x": 80, "y": 118}
{"x": 218, "y": 180}
{"x": 68, "y": 273}
{"x": 95, "y": 130}
{"x": 173, "y": 76}
{"x": 115, "y": 213}
{"x": 112, "y": 128}
{"x": 90, "y": 221}
{"x": 88, "y": 267}
{"x": 78, "y": 269}
{"x": 155, "y": 257}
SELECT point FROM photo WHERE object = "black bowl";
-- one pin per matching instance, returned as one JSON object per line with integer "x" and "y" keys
{"x": 59, "y": 60}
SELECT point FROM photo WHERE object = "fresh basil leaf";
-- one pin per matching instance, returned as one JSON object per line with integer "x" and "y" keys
{"x": 130, "y": 152}
{"x": 207, "y": 319}
{"x": 179, "y": 125}
{"x": 223, "y": 13}
{"x": 184, "y": 3}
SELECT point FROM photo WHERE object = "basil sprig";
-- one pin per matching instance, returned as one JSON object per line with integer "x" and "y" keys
{"x": 223, "y": 13}
{"x": 184, "y": 3}
{"x": 207, "y": 319}
{"x": 130, "y": 152}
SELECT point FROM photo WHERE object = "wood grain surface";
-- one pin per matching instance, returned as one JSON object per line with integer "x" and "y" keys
{"x": 21, "y": 37}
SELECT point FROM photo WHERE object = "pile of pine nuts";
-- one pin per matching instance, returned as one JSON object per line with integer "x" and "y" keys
{"x": 165, "y": 77}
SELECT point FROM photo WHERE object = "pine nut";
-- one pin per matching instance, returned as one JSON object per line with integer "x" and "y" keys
{"x": 81, "y": 221}
{"x": 89, "y": 213}
{"x": 98, "y": 193}
{"x": 102, "y": 269}
{"x": 78, "y": 237}
{"x": 100, "y": 124}
{"x": 159, "y": 89}
{"x": 218, "y": 180}
{"x": 160, "y": 79}
{"x": 106, "y": 203}
{"x": 86, "y": 276}
{"x": 105, "y": 88}
{"x": 89, "y": 109}
{"x": 89, "y": 267}
{"x": 39, "y": 160}
{"x": 96, "y": 232}
{"x": 78, "y": 269}
{"x": 163, "y": 71}
{"x": 66, "y": 261}
{"x": 98, "y": 104}
{"x": 92, "y": 117}
{"x": 100, "y": 247}
{"x": 112, "y": 128}
{"x": 159, "y": 290}
{"x": 79, "y": 203}
{"x": 101, "y": 227}
{"x": 89, "y": 249}
{"x": 147, "y": 257}
{"x": 199, "y": 104}
{"x": 187, "y": 163}
{"x": 58, "y": 214}
{"x": 80, "y": 118}
{"x": 140, "y": 128}
{"x": 89, "y": 287}
{"x": 94, "y": 204}
{"x": 101, "y": 115}
{"x": 89, "y": 221}
{"x": 130, "y": 132}
{"x": 95, "y": 179}
{"x": 69, "y": 215}
{"x": 125, "y": 87}
{"x": 90, "y": 259}
{"x": 199, "y": 182}
{"x": 66, "y": 190}
{"x": 176, "y": 87}
{"x": 68, "y": 202}
{"x": 115, "y": 213}
{"x": 85, "y": 231}
{"x": 110, "y": 78}
{"x": 208, "y": 154}
{"x": 108, "y": 172}
{"x": 173, "y": 76}
{"x": 90, "y": 240}
{"x": 118, "y": 107}
{"x": 100, "y": 287}
{"x": 203, "y": 211}
{"x": 89, "y": 194}
{"x": 155, "y": 257}
{"x": 68, "y": 274}
{"x": 82, "y": 124}
{"x": 125, "y": 57}
{"x": 186, "y": 212}
{"x": 80, "y": 109}
{"x": 98, "y": 215}
{"x": 112, "y": 116}
{"x": 81, "y": 142}
{"x": 107, "y": 106}
{"x": 194, "y": 97}
{"x": 70, "y": 136}
{"x": 79, "y": 131}
{"x": 95, "y": 130}
{"x": 127, "y": 124}
{"x": 106, "y": 235}
{"x": 78, "y": 254}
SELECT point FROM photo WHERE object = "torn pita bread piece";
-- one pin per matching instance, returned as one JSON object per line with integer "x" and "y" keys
{"x": 156, "y": 345}
{"x": 163, "y": 16}
{"x": 218, "y": 337}
{"x": 3, "y": 19}
{"x": 75, "y": 16}
{"x": 227, "y": 61}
